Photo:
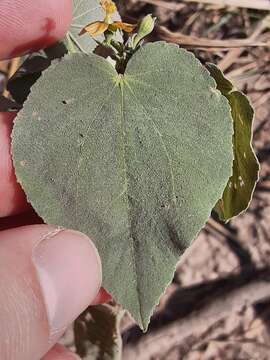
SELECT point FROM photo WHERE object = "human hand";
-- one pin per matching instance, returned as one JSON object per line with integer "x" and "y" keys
{"x": 47, "y": 276}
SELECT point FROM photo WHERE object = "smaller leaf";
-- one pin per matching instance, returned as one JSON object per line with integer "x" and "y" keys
{"x": 238, "y": 192}
{"x": 20, "y": 83}
{"x": 7, "y": 105}
{"x": 97, "y": 333}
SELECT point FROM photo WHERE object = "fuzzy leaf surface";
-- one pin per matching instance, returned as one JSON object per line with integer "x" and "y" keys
{"x": 238, "y": 192}
{"x": 135, "y": 161}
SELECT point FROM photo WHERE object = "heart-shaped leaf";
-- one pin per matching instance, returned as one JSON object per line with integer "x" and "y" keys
{"x": 240, "y": 187}
{"x": 135, "y": 161}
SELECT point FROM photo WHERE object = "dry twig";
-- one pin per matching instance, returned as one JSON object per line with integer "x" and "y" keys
{"x": 165, "y": 4}
{"x": 13, "y": 67}
{"x": 204, "y": 43}
{"x": 234, "y": 54}
{"x": 251, "y": 4}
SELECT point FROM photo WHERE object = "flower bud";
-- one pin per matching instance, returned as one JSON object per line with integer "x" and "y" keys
{"x": 146, "y": 27}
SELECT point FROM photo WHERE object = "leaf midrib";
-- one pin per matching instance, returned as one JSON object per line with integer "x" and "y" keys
{"x": 128, "y": 202}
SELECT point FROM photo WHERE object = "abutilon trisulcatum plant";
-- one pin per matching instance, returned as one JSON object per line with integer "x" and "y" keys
{"x": 133, "y": 149}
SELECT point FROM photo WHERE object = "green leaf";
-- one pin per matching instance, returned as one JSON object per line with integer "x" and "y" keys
{"x": 97, "y": 333}
{"x": 240, "y": 187}
{"x": 85, "y": 12}
{"x": 20, "y": 83}
{"x": 135, "y": 161}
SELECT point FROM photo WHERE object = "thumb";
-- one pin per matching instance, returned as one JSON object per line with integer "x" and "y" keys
{"x": 48, "y": 276}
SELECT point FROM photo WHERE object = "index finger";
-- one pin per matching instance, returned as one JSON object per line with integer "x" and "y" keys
{"x": 29, "y": 25}
{"x": 12, "y": 198}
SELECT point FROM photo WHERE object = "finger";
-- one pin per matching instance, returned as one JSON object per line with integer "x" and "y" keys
{"x": 12, "y": 198}
{"x": 28, "y": 25}
{"x": 59, "y": 352}
{"x": 48, "y": 277}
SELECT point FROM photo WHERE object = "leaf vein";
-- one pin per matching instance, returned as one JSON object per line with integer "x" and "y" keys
{"x": 85, "y": 13}
{"x": 80, "y": 158}
{"x": 128, "y": 201}
{"x": 156, "y": 129}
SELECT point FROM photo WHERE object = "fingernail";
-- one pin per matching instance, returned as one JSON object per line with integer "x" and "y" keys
{"x": 69, "y": 271}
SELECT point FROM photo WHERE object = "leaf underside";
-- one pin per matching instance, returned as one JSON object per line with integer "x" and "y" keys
{"x": 238, "y": 192}
{"x": 135, "y": 161}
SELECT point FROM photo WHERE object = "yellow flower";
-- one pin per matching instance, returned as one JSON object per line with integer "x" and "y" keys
{"x": 108, "y": 6}
{"x": 99, "y": 27}
{"x": 122, "y": 26}
{"x": 94, "y": 29}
